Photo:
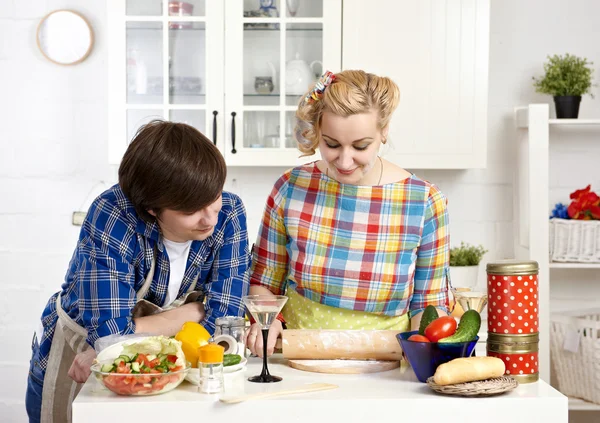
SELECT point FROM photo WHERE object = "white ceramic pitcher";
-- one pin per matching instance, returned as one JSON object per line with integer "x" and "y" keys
{"x": 299, "y": 75}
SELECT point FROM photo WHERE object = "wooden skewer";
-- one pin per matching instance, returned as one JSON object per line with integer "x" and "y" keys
{"x": 262, "y": 395}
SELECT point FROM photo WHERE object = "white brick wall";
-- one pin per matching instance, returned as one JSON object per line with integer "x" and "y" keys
{"x": 54, "y": 119}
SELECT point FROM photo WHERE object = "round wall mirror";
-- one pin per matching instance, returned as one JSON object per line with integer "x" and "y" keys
{"x": 65, "y": 37}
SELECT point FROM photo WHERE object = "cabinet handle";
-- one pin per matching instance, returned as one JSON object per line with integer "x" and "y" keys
{"x": 215, "y": 113}
{"x": 233, "y": 150}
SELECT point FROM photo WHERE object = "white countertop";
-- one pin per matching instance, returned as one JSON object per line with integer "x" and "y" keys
{"x": 381, "y": 397}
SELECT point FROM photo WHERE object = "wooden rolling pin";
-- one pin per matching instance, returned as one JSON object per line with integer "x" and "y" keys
{"x": 341, "y": 344}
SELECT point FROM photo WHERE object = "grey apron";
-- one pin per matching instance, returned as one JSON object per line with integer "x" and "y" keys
{"x": 70, "y": 339}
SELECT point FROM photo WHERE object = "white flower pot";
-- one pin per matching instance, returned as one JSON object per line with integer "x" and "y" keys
{"x": 464, "y": 276}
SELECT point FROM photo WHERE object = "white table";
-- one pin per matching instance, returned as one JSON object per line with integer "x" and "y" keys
{"x": 379, "y": 397}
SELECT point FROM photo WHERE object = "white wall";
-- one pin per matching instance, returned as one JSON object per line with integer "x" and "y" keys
{"x": 53, "y": 141}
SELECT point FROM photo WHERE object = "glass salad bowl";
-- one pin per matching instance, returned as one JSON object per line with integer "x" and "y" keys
{"x": 141, "y": 374}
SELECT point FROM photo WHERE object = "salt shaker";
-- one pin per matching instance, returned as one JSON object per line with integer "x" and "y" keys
{"x": 210, "y": 365}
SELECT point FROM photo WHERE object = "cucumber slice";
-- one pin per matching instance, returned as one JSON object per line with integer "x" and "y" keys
{"x": 118, "y": 361}
{"x": 107, "y": 368}
{"x": 135, "y": 367}
{"x": 125, "y": 358}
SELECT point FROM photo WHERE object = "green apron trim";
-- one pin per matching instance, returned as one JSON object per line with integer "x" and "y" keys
{"x": 301, "y": 313}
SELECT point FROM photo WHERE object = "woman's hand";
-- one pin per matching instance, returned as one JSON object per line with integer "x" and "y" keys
{"x": 80, "y": 369}
{"x": 254, "y": 338}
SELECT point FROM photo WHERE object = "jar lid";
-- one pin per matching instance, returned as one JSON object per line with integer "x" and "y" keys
{"x": 513, "y": 267}
{"x": 211, "y": 353}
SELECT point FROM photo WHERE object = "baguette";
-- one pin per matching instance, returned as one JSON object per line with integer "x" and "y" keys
{"x": 468, "y": 369}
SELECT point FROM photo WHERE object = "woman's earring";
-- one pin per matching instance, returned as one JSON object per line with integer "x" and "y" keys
{"x": 383, "y": 141}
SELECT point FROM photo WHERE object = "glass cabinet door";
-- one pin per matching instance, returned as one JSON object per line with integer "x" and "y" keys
{"x": 166, "y": 63}
{"x": 274, "y": 52}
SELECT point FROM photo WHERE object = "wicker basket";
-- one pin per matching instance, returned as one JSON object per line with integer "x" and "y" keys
{"x": 575, "y": 240}
{"x": 578, "y": 373}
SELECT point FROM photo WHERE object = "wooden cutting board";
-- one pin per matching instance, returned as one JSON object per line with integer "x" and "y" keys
{"x": 344, "y": 366}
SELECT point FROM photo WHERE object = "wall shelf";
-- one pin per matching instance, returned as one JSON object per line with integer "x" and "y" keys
{"x": 581, "y": 405}
{"x": 573, "y": 122}
{"x": 531, "y": 241}
{"x": 554, "y": 265}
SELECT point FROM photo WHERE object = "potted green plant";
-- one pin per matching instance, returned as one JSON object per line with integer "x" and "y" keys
{"x": 464, "y": 265}
{"x": 566, "y": 78}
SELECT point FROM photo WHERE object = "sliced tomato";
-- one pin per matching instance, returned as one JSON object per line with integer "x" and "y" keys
{"x": 143, "y": 379}
{"x": 122, "y": 368}
{"x": 142, "y": 359}
{"x": 152, "y": 364}
{"x": 160, "y": 383}
{"x": 418, "y": 338}
{"x": 441, "y": 327}
{"x": 172, "y": 358}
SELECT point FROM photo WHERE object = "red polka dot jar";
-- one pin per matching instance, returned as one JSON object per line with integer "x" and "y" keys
{"x": 519, "y": 353}
{"x": 513, "y": 303}
{"x": 513, "y": 297}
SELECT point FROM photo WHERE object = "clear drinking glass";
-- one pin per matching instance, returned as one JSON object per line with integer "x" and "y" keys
{"x": 264, "y": 309}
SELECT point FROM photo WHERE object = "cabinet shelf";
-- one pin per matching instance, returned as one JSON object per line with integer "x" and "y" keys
{"x": 555, "y": 265}
{"x": 247, "y": 27}
{"x": 579, "y": 404}
{"x": 574, "y": 122}
{"x": 270, "y": 95}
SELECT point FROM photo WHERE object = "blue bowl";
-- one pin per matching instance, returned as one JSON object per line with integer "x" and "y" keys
{"x": 425, "y": 357}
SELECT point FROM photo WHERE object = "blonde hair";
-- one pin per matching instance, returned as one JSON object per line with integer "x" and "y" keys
{"x": 352, "y": 92}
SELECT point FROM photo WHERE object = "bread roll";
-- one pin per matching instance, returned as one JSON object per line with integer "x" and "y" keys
{"x": 468, "y": 369}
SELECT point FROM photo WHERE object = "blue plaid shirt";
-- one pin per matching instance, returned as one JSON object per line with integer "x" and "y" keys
{"x": 114, "y": 255}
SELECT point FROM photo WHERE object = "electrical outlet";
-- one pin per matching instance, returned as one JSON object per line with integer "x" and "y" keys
{"x": 78, "y": 218}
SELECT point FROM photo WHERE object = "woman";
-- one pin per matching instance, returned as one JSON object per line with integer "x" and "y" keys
{"x": 353, "y": 240}
{"x": 150, "y": 250}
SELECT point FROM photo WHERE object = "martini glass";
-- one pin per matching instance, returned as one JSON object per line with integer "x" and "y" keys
{"x": 264, "y": 309}
{"x": 470, "y": 300}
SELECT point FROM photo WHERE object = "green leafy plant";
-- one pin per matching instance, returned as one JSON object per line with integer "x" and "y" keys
{"x": 565, "y": 75}
{"x": 466, "y": 255}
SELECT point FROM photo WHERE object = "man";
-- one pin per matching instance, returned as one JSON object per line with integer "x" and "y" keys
{"x": 163, "y": 247}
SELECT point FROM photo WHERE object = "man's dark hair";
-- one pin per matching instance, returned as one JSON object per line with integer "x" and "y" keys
{"x": 171, "y": 165}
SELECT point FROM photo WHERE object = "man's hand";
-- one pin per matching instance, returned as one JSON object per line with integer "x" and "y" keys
{"x": 80, "y": 369}
{"x": 254, "y": 339}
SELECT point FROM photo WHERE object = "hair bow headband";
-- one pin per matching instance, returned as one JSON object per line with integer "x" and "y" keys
{"x": 317, "y": 92}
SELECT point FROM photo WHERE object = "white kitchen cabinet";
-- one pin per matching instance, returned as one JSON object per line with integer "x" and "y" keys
{"x": 197, "y": 62}
{"x": 437, "y": 53}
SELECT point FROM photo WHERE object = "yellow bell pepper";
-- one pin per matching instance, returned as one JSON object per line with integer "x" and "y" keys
{"x": 192, "y": 336}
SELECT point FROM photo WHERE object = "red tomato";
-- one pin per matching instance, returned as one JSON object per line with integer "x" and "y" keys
{"x": 418, "y": 338}
{"x": 154, "y": 363}
{"x": 160, "y": 383}
{"x": 440, "y": 328}
{"x": 142, "y": 359}
{"x": 172, "y": 358}
{"x": 122, "y": 368}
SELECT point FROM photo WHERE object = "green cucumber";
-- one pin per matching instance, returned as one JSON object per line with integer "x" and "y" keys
{"x": 231, "y": 359}
{"x": 468, "y": 328}
{"x": 135, "y": 366}
{"x": 118, "y": 361}
{"x": 107, "y": 368}
{"x": 429, "y": 315}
